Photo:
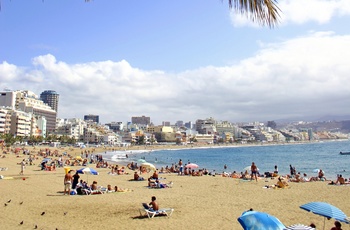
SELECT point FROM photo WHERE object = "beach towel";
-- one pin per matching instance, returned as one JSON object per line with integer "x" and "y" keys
{"x": 145, "y": 206}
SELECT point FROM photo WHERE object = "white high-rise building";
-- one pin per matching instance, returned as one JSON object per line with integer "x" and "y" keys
{"x": 21, "y": 123}
{"x": 29, "y": 102}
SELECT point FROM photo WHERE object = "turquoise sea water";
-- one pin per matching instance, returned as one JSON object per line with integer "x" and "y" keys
{"x": 306, "y": 158}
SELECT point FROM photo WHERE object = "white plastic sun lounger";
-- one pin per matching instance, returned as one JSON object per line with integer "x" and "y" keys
{"x": 152, "y": 213}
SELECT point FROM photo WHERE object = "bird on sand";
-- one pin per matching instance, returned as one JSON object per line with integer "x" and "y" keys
{"x": 43, "y": 213}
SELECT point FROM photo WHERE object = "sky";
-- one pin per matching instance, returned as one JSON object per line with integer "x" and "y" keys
{"x": 179, "y": 60}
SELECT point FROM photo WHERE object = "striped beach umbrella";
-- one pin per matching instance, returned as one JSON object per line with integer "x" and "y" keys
{"x": 299, "y": 227}
{"x": 326, "y": 210}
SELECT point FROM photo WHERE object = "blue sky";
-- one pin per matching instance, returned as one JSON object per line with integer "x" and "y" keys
{"x": 178, "y": 60}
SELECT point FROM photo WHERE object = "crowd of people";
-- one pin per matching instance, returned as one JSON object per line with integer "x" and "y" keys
{"x": 73, "y": 185}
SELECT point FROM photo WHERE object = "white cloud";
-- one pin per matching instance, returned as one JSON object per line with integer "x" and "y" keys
{"x": 301, "y": 11}
{"x": 8, "y": 72}
{"x": 303, "y": 76}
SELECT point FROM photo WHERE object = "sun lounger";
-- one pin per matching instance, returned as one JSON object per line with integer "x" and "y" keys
{"x": 152, "y": 213}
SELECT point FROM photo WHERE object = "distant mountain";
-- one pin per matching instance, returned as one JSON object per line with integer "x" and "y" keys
{"x": 315, "y": 118}
{"x": 334, "y": 118}
{"x": 330, "y": 126}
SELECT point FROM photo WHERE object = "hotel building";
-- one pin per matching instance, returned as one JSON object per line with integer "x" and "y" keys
{"x": 51, "y": 98}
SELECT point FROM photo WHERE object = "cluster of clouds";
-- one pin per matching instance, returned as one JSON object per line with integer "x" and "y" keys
{"x": 304, "y": 76}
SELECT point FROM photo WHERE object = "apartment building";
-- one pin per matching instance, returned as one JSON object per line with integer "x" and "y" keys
{"x": 73, "y": 127}
{"x": 29, "y": 102}
{"x": 21, "y": 123}
{"x": 91, "y": 135}
{"x": 5, "y": 121}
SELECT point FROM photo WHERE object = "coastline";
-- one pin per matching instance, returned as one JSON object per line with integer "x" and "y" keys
{"x": 213, "y": 201}
{"x": 164, "y": 159}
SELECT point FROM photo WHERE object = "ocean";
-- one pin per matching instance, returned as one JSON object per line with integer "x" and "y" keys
{"x": 306, "y": 157}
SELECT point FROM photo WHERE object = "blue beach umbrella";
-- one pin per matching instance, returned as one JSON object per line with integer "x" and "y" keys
{"x": 87, "y": 171}
{"x": 252, "y": 220}
{"x": 326, "y": 210}
{"x": 46, "y": 160}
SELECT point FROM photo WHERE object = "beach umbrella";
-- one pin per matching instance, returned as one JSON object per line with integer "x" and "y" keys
{"x": 299, "y": 227}
{"x": 87, "y": 171}
{"x": 252, "y": 220}
{"x": 149, "y": 166}
{"x": 141, "y": 160}
{"x": 326, "y": 210}
{"x": 192, "y": 166}
{"x": 46, "y": 160}
{"x": 78, "y": 158}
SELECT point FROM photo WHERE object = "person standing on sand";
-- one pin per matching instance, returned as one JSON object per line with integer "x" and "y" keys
{"x": 75, "y": 180}
{"x": 67, "y": 183}
{"x": 291, "y": 170}
{"x": 254, "y": 170}
{"x": 23, "y": 166}
{"x": 180, "y": 167}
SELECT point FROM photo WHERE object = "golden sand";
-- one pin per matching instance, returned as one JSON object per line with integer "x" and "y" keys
{"x": 206, "y": 202}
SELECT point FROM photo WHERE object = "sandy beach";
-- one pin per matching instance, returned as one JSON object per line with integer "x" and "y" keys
{"x": 203, "y": 202}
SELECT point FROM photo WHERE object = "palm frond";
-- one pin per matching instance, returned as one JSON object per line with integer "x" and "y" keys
{"x": 265, "y": 12}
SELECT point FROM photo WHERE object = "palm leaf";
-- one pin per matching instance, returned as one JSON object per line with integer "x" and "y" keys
{"x": 265, "y": 12}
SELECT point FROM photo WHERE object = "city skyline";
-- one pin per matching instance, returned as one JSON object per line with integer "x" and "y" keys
{"x": 179, "y": 60}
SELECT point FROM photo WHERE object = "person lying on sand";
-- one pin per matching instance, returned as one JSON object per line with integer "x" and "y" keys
{"x": 340, "y": 180}
{"x": 281, "y": 183}
{"x": 117, "y": 189}
{"x": 297, "y": 178}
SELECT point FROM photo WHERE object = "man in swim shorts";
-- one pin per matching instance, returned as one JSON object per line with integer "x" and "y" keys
{"x": 254, "y": 170}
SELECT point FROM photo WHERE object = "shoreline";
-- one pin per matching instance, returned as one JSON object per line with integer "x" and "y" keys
{"x": 213, "y": 201}
{"x": 169, "y": 159}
